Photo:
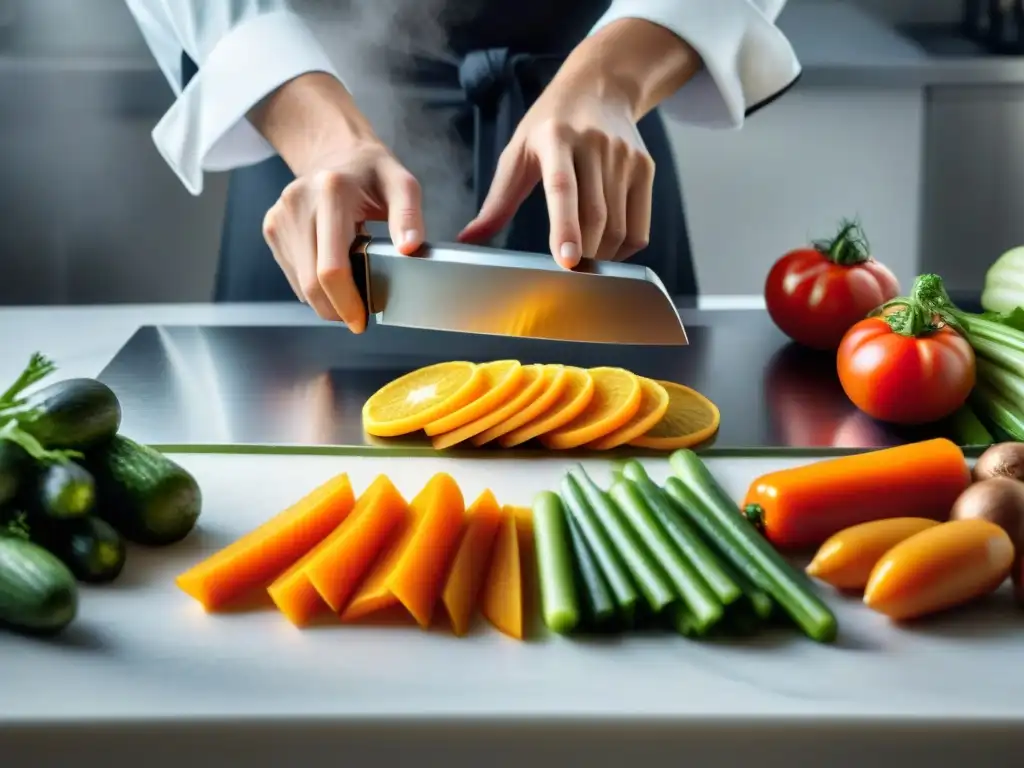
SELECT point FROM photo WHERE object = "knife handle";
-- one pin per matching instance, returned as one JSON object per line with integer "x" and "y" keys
{"x": 359, "y": 260}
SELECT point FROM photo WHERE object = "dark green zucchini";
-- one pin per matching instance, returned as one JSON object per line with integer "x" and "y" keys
{"x": 38, "y": 593}
{"x": 66, "y": 491}
{"x": 147, "y": 497}
{"x": 74, "y": 414}
{"x": 89, "y": 546}
{"x": 15, "y": 468}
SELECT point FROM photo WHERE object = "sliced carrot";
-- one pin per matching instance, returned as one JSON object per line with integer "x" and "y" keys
{"x": 531, "y": 384}
{"x": 527, "y": 565}
{"x": 469, "y": 567}
{"x": 500, "y": 380}
{"x": 373, "y": 594}
{"x": 501, "y": 601}
{"x": 616, "y": 398}
{"x": 575, "y": 398}
{"x": 803, "y": 506}
{"x": 419, "y": 574}
{"x": 654, "y": 403}
{"x": 262, "y": 554}
{"x": 337, "y": 564}
{"x": 939, "y": 568}
{"x": 294, "y": 594}
{"x": 846, "y": 560}
{"x": 558, "y": 381}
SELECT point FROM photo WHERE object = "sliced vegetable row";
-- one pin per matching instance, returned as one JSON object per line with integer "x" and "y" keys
{"x": 334, "y": 553}
{"x": 72, "y": 492}
{"x": 682, "y": 555}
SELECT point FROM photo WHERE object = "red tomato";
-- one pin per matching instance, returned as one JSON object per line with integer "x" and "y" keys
{"x": 905, "y": 379}
{"x": 815, "y": 294}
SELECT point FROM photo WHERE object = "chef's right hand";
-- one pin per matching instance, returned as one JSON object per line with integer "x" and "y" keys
{"x": 344, "y": 176}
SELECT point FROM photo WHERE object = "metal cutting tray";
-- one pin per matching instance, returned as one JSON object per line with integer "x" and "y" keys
{"x": 306, "y": 385}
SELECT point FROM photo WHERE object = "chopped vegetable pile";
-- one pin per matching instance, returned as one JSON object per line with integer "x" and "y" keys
{"x": 562, "y": 407}
{"x": 72, "y": 492}
{"x": 680, "y": 555}
{"x": 358, "y": 557}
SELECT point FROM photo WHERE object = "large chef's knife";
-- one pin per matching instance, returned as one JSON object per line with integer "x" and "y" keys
{"x": 510, "y": 293}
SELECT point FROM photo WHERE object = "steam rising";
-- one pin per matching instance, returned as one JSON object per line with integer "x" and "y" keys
{"x": 365, "y": 38}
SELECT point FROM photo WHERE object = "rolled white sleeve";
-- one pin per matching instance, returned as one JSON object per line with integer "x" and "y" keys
{"x": 747, "y": 59}
{"x": 244, "y": 50}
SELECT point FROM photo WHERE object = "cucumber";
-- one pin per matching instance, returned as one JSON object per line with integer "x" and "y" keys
{"x": 66, "y": 490}
{"x": 38, "y": 593}
{"x": 147, "y": 497}
{"x": 705, "y": 607}
{"x": 687, "y": 507}
{"x": 597, "y": 598}
{"x": 559, "y": 602}
{"x": 686, "y": 538}
{"x": 648, "y": 574}
{"x": 15, "y": 467}
{"x": 750, "y": 551}
{"x": 73, "y": 414}
{"x": 616, "y": 576}
{"x": 90, "y": 547}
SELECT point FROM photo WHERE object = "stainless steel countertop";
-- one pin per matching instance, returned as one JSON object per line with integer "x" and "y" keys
{"x": 290, "y": 386}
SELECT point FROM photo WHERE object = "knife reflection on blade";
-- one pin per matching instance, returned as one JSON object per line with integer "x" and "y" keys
{"x": 510, "y": 293}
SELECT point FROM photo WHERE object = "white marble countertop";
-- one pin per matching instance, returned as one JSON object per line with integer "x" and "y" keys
{"x": 81, "y": 340}
{"x": 964, "y": 712}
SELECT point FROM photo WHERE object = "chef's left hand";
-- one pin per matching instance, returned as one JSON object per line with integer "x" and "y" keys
{"x": 581, "y": 141}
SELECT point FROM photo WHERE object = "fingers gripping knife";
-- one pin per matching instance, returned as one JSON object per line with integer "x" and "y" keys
{"x": 510, "y": 293}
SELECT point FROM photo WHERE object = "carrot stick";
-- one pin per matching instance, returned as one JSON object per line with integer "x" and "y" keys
{"x": 502, "y": 599}
{"x": 373, "y": 594}
{"x": 420, "y": 572}
{"x": 803, "y": 506}
{"x": 262, "y": 554}
{"x": 940, "y": 568}
{"x": 527, "y": 566}
{"x": 469, "y": 567}
{"x": 295, "y": 596}
{"x": 337, "y": 564}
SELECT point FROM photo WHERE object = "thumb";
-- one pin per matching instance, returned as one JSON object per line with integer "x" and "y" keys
{"x": 513, "y": 181}
{"x": 403, "y": 199}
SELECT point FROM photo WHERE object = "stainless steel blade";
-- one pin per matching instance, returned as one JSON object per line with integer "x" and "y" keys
{"x": 509, "y": 293}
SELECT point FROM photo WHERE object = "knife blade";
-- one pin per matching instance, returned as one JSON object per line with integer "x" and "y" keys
{"x": 452, "y": 287}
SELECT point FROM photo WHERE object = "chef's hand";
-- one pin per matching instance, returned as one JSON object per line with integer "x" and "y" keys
{"x": 597, "y": 176}
{"x": 581, "y": 141}
{"x": 344, "y": 176}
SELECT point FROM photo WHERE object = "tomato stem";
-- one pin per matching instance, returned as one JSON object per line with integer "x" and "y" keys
{"x": 926, "y": 310}
{"x": 848, "y": 248}
{"x": 755, "y": 516}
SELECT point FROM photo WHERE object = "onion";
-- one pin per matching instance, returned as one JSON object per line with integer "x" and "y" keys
{"x": 1001, "y": 460}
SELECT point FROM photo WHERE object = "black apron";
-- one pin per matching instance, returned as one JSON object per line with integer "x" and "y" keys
{"x": 500, "y": 79}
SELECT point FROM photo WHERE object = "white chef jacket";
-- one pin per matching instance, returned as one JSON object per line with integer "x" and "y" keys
{"x": 245, "y": 49}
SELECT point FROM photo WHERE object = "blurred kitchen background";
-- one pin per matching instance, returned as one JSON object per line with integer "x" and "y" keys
{"x": 897, "y": 120}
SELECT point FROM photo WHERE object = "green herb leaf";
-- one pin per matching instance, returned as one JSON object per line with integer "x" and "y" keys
{"x": 13, "y": 432}
{"x": 17, "y": 527}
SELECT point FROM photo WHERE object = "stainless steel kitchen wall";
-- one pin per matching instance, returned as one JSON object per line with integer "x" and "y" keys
{"x": 90, "y": 211}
